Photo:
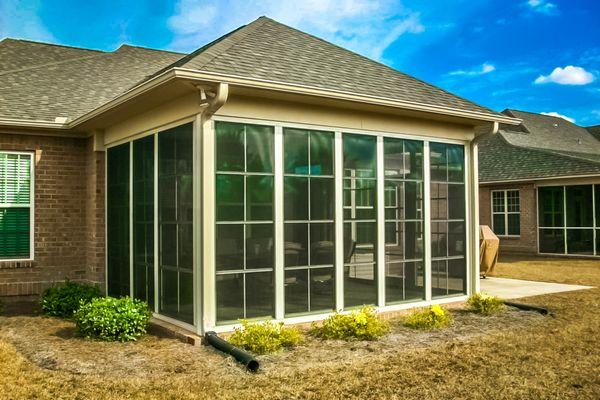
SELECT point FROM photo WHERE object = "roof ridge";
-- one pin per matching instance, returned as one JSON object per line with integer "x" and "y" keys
{"x": 54, "y": 44}
{"x": 147, "y": 48}
{"x": 11, "y": 71}
{"x": 376, "y": 62}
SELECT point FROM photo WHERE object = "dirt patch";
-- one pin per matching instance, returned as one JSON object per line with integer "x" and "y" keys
{"x": 52, "y": 344}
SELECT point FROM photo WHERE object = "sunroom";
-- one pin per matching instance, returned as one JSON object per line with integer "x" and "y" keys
{"x": 236, "y": 196}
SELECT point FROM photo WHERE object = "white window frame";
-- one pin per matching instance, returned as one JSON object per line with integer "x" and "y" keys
{"x": 506, "y": 213}
{"x": 31, "y": 205}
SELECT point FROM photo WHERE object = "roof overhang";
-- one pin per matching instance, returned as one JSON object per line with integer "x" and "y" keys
{"x": 176, "y": 81}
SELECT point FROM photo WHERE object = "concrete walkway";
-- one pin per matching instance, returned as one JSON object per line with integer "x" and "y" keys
{"x": 516, "y": 288}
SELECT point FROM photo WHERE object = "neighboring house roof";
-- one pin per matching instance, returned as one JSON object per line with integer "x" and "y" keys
{"x": 594, "y": 130}
{"x": 541, "y": 147}
{"x": 56, "y": 81}
{"x": 62, "y": 81}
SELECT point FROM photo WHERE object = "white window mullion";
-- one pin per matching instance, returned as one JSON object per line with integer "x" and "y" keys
{"x": 156, "y": 228}
{"x": 380, "y": 199}
{"x": 130, "y": 219}
{"x": 427, "y": 219}
{"x": 339, "y": 220}
{"x": 279, "y": 228}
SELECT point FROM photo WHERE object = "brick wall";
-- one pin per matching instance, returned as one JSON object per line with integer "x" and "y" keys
{"x": 527, "y": 241}
{"x": 69, "y": 221}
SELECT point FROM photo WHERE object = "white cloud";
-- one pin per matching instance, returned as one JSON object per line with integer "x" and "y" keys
{"x": 555, "y": 114}
{"x": 568, "y": 75}
{"x": 21, "y": 20}
{"x": 485, "y": 68}
{"x": 542, "y": 6}
{"x": 367, "y": 27}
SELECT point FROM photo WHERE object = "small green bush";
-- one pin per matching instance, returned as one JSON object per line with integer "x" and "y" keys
{"x": 362, "y": 324}
{"x": 482, "y": 303}
{"x": 433, "y": 317}
{"x": 266, "y": 337}
{"x": 111, "y": 319}
{"x": 64, "y": 299}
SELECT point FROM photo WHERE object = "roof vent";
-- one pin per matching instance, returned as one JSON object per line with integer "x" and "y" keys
{"x": 555, "y": 125}
{"x": 579, "y": 141}
{"x": 61, "y": 120}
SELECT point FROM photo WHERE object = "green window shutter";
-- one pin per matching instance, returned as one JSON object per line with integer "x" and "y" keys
{"x": 15, "y": 198}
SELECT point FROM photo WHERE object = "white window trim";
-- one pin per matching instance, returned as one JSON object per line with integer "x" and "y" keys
{"x": 31, "y": 206}
{"x": 506, "y": 213}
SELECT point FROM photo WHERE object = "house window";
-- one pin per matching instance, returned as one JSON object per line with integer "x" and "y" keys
{"x": 16, "y": 200}
{"x": 404, "y": 264}
{"x": 245, "y": 245}
{"x": 448, "y": 225}
{"x": 506, "y": 212}
{"x": 309, "y": 200}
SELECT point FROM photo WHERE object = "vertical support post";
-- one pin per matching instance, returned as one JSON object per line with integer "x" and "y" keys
{"x": 427, "y": 219}
{"x": 130, "y": 219}
{"x": 565, "y": 230}
{"x": 156, "y": 229}
{"x": 473, "y": 220}
{"x": 197, "y": 222}
{"x": 279, "y": 228}
{"x": 339, "y": 220}
{"x": 380, "y": 199}
{"x": 595, "y": 221}
{"x": 208, "y": 224}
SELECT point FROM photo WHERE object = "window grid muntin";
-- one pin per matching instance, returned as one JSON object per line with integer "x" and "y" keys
{"x": 508, "y": 199}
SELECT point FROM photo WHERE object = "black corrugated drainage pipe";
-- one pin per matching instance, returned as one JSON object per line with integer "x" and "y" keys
{"x": 214, "y": 340}
{"x": 527, "y": 307}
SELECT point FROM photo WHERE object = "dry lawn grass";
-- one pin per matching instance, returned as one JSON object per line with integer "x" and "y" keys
{"x": 515, "y": 355}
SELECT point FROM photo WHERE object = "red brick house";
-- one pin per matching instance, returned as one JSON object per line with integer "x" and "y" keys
{"x": 268, "y": 174}
{"x": 539, "y": 186}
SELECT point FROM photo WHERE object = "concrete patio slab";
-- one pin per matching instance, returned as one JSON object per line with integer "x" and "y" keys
{"x": 516, "y": 288}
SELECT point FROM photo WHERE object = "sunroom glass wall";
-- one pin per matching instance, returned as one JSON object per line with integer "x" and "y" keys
{"x": 308, "y": 221}
{"x": 404, "y": 267}
{"x": 244, "y": 221}
{"x": 360, "y": 219}
{"x": 175, "y": 222}
{"x": 448, "y": 228}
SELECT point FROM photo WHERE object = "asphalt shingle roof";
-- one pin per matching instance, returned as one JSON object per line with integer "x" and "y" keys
{"x": 41, "y": 82}
{"x": 594, "y": 130}
{"x": 541, "y": 147}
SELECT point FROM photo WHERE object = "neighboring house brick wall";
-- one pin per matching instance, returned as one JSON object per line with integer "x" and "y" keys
{"x": 69, "y": 221}
{"x": 527, "y": 241}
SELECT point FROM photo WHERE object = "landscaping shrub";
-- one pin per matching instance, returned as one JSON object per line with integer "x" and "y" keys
{"x": 63, "y": 300}
{"x": 433, "y": 317}
{"x": 266, "y": 337}
{"x": 483, "y": 303}
{"x": 112, "y": 319}
{"x": 362, "y": 324}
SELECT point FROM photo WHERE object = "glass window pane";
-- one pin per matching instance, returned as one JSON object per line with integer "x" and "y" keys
{"x": 185, "y": 243}
{"x": 230, "y": 297}
{"x": 394, "y": 158}
{"x": 413, "y": 240}
{"x": 456, "y": 238}
{"x": 498, "y": 201}
{"x": 295, "y": 147}
{"x": 413, "y": 200}
{"x": 439, "y": 201}
{"x": 404, "y": 281}
{"x": 259, "y": 246}
{"x": 296, "y": 291}
{"x": 439, "y": 278}
{"x": 186, "y": 297}
{"x": 359, "y": 242}
{"x": 456, "y": 162}
{"x": 439, "y": 239}
{"x": 14, "y": 242}
{"x": 512, "y": 199}
{"x": 580, "y": 241}
{"x": 360, "y": 198}
{"x": 168, "y": 292}
{"x": 322, "y": 289}
{"x": 322, "y": 198}
{"x": 230, "y": 197}
{"x": 514, "y": 224}
{"x": 498, "y": 224}
{"x": 597, "y": 199}
{"x": 230, "y": 146}
{"x": 117, "y": 198}
{"x": 295, "y": 198}
{"x": 359, "y": 155}
{"x": 394, "y": 241}
{"x": 552, "y": 241}
{"x": 438, "y": 162}
{"x": 259, "y": 148}
{"x": 321, "y": 153}
{"x": 457, "y": 276}
{"x": 551, "y": 206}
{"x": 413, "y": 159}
{"x": 259, "y": 294}
{"x": 296, "y": 244}
{"x": 259, "y": 198}
{"x": 394, "y": 200}
{"x": 360, "y": 285}
{"x": 394, "y": 281}
{"x": 230, "y": 247}
{"x": 579, "y": 206}
{"x": 322, "y": 249}
{"x": 456, "y": 201}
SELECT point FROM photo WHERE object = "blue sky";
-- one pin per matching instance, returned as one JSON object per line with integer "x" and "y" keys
{"x": 533, "y": 55}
